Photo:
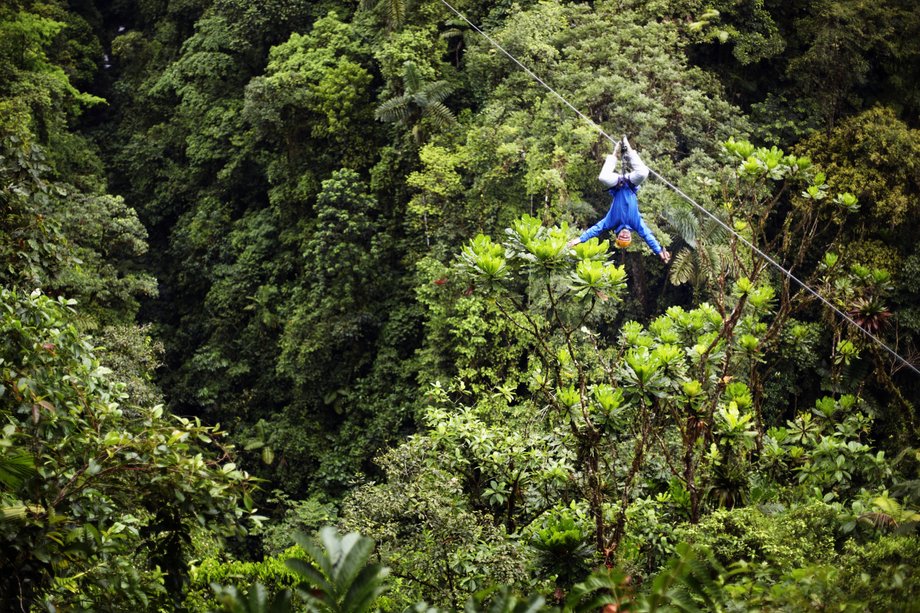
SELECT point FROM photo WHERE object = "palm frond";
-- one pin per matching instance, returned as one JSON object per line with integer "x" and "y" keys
{"x": 412, "y": 81}
{"x": 394, "y": 109}
{"x": 440, "y": 114}
{"x": 366, "y": 587}
{"x": 354, "y": 553}
{"x": 17, "y": 511}
{"x": 394, "y": 12}
{"x": 438, "y": 91}
{"x": 310, "y": 575}
{"x": 15, "y": 468}
{"x": 685, "y": 222}
{"x": 683, "y": 267}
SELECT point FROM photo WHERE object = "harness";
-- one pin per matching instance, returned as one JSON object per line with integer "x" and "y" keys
{"x": 622, "y": 182}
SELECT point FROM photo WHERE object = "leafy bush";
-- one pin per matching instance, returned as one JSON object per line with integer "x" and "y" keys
{"x": 97, "y": 501}
{"x": 789, "y": 539}
{"x": 339, "y": 577}
{"x": 438, "y": 548}
{"x": 272, "y": 573}
{"x": 562, "y": 536}
{"x": 881, "y": 574}
{"x": 304, "y": 516}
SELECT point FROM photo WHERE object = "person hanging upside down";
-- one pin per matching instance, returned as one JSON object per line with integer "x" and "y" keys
{"x": 624, "y": 217}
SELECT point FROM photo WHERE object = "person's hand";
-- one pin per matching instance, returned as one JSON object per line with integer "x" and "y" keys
{"x": 665, "y": 256}
{"x": 572, "y": 243}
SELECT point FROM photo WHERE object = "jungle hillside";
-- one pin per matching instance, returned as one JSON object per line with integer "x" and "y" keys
{"x": 294, "y": 315}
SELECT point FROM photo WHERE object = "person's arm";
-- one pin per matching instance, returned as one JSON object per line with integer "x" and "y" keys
{"x": 605, "y": 223}
{"x": 595, "y": 230}
{"x": 648, "y": 237}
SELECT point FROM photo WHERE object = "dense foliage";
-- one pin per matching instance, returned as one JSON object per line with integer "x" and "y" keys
{"x": 325, "y": 243}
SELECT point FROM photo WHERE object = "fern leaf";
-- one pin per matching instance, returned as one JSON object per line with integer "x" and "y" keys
{"x": 713, "y": 232}
{"x": 685, "y": 222}
{"x": 395, "y": 13}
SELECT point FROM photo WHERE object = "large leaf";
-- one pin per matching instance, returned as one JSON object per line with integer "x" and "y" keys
{"x": 15, "y": 467}
{"x": 340, "y": 578}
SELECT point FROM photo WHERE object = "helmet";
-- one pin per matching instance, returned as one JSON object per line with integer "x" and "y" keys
{"x": 624, "y": 238}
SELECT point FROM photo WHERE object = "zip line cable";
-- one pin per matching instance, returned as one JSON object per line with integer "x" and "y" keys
{"x": 789, "y": 274}
{"x": 679, "y": 192}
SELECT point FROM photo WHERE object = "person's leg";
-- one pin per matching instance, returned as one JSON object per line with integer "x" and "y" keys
{"x": 638, "y": 171}
{"x": 609, "y": 176}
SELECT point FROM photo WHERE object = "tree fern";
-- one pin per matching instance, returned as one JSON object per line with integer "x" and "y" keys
{"x": 438, "y": 91}
{"x": 412, "y": 80}
{"x": 419, "y": 99}
{"x": 394, "y": 12}
{"x": 707, "y": 255}
{"x": 683, "y": 220}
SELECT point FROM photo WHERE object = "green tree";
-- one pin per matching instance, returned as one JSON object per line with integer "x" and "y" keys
{"x": 437, "y": 546}
{"x": 873, "y": 155}
{"x": 333, "y": 321}
{"x": 525, "y": 151}
{"x": 587, "y": 422}
{"x": 312, "y": 100}
{"x": 844, "y": 42}
{"x": 783, "y": 204}
{"x": 85, "y": 244}
{"x": 418, "y": 100}
{"x": 33, "y": 80}
{"x": 333, "y": 311}
{"x": 102, "y": 495}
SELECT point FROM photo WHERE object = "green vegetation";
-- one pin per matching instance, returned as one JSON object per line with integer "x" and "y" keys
{"x": 285, "y": 268}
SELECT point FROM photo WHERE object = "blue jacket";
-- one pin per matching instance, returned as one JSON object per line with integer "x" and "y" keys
{"x": 623, "y": 213}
